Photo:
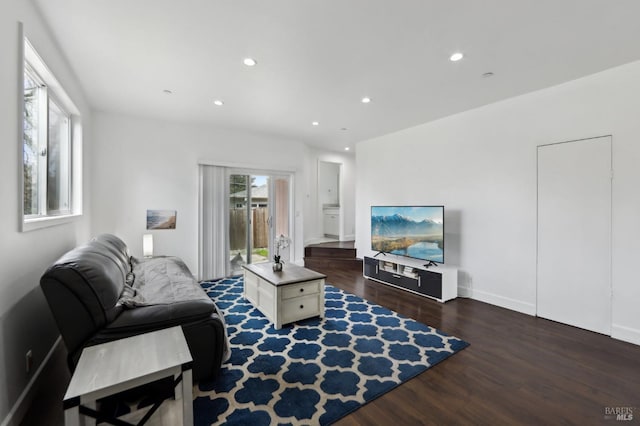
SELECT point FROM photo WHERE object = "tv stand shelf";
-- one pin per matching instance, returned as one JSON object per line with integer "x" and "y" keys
{"x": 439, "y": 283}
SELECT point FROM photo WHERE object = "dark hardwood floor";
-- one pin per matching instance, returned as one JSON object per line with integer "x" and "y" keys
{"x": 518, "y": 370}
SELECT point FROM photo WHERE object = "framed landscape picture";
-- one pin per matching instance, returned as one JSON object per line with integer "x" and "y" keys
{"x": 161, "y": 219}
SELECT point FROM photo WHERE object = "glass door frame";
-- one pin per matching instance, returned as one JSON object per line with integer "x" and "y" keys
{"x": 272, "y": 176}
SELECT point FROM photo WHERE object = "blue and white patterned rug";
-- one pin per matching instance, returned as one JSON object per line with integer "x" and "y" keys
{"x": 314, "y": 371}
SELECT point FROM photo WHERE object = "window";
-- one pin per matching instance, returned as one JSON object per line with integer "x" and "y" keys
{"x": 48, "y": 145}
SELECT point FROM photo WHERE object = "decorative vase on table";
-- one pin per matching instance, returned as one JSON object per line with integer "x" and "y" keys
{"x": 280, "y": 243}
{"x": 277, "y": 266}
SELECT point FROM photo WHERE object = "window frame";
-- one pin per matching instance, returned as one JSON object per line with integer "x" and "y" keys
{"x": 52, "y": 98}
{"x": 40, "y": 166}
{"x": 30, "y": 62}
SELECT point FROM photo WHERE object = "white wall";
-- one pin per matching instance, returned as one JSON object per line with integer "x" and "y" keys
{"x": 481, "y": 165}
{"x": 313, "y": 221}
{"x": 25, "y": 319}
{"x": 142, "y": 164}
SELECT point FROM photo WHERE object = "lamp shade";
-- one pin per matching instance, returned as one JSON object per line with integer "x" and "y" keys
{"x": 147, "y": 245}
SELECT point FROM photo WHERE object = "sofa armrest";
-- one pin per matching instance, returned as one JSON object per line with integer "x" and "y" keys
{"x": 152, "y": 317}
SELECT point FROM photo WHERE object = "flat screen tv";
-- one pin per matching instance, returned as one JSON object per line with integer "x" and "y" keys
{"x": 412, "y": 231}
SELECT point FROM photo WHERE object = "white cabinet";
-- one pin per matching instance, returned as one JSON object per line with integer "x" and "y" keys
{"x": 331, "y": 222}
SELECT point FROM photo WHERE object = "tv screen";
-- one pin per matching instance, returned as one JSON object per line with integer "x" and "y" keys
{"x": 412, "y": 231}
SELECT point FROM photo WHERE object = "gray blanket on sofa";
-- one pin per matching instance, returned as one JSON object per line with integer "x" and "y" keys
{"x": 164, "y": 280}
{"x": 161, "y": 280}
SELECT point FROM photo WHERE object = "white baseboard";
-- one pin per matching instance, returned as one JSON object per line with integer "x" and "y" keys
{"x": 19, "y": 409}
{"x": 494, "y": 299}
{"x": 626, "y": 334}
{"x": 620, "y": 332}
{"x": 464, "y": 292}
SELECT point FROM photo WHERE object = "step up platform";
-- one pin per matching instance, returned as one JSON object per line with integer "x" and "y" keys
{"x": 332, "y": 255}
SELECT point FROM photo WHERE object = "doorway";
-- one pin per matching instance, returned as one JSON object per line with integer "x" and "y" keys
{"x": 258, "y": 212}
{"x": 330, "y": 201}
{"x": 574, "y": 233}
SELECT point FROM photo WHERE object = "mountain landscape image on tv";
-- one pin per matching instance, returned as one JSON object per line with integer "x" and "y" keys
{"x": 413, "y": 231}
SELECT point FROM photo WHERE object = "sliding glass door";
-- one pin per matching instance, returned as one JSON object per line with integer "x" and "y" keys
{"x": 258, "y": 212}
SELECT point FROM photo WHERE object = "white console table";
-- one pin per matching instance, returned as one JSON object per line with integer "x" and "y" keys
{"x": 123, "y": 364}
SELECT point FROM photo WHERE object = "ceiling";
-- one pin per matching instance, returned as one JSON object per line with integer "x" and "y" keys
{"x": 318, "y": 58}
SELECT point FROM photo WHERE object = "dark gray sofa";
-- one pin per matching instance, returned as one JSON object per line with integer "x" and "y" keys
{"x": 98, "y": 293}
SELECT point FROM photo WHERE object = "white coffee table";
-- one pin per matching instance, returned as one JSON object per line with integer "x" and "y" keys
{"x": 293, "y": 294}
{"x": 116, "y": 366}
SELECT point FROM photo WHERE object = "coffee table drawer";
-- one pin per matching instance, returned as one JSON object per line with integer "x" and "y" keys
{"x": 300, "y": 308}
{"x": 302, "y": 289}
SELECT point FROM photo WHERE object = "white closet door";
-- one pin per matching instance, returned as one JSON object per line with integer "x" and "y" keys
{"x": 574, "y": 233}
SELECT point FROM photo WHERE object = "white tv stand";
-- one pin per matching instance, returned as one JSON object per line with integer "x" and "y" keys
{"x": 439, "y": 283}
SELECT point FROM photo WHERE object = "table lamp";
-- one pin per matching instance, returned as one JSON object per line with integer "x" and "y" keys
{"x": 147, "y": 245}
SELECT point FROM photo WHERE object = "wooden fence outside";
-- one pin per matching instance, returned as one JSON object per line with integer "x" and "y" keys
{"x": 238, "y": 228}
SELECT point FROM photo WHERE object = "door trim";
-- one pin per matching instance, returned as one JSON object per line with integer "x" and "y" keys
{"x": 271, "y": 174}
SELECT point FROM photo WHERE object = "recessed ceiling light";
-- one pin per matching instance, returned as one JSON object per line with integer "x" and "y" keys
{"x": 315, "y": 123}
{"x": 250, "y": 62}
{"x": 456, "y": 57}
{"x": 487, "y": 74}
{"x": 218, "y": 102}
{"x": 167, "y": 92}
{"x": 366, "y": 100}
{"x": 346, "y": 148}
